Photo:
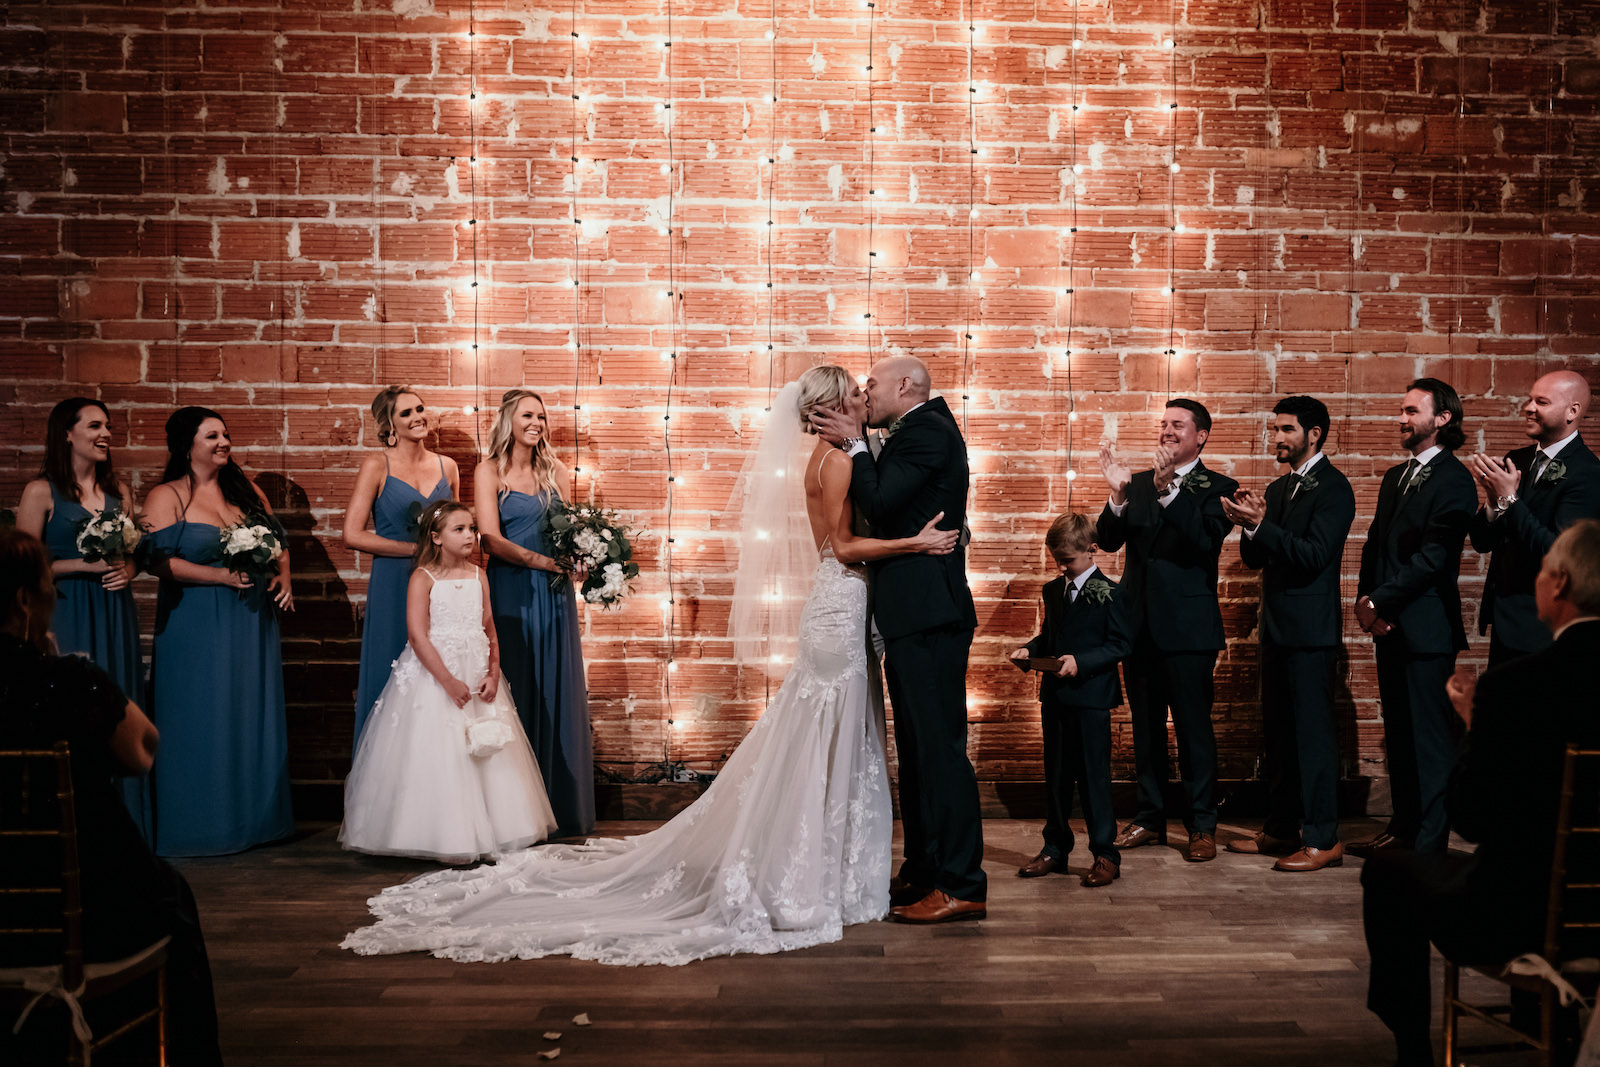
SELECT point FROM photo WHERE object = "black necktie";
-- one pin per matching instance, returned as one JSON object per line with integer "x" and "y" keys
{"x": 1536, "y": 469}
{"x": 1412, "y": 466}
{"x": 1294, "y": 484}
{"x": 1072, "y": 593}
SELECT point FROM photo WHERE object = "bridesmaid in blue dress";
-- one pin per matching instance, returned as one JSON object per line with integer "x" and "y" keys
{"x": 392, "y": 489}
{"x": 221, "y": 779}
{"x": 537, "y": 626}
{"x": 94, "y": 616}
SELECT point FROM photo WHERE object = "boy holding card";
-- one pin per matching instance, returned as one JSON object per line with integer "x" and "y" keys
{"x": 1085, "y": 634}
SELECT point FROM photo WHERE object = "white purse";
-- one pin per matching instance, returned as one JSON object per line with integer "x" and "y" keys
{"x": 485, "y": 737}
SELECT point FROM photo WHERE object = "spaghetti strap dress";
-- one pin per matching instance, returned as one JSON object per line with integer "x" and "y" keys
{"x": 383, "y": 630}
{"x": 100, "y": 624}
{"x": 221, "y": 782}
{"x": 543, "y": 660}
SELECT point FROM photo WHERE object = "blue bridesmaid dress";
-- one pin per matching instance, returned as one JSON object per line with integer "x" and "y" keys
{"x": 102, "y": 625}
{"x": 221, "y": 779}
{"x": 543, "y": 661}
{"x": 383, "y": 632}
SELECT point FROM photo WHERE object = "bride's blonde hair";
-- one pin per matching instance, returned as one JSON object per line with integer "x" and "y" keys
{"x": 821, "y": 387}
{"x": 545, "y": 467}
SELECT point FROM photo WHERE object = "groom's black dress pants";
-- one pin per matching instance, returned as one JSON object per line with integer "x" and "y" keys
{"x": 927, "y": 676}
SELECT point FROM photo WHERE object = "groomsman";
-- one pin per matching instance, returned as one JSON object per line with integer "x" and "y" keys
{"x": 1408, "y": 601}
{"x": 1528, "y": 498}
{"x": 1295, "y": 535}
{"x": 1170, "y": 517}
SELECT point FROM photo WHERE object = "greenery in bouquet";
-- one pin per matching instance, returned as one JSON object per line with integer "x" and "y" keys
{"x": 252, "y": 547}
{"x": 109, "y": 535}
{"x": 584, "y": 536}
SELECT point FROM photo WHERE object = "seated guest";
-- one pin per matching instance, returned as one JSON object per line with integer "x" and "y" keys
{"x": 130, "y": 898}
{"x": 1489, "y": 907}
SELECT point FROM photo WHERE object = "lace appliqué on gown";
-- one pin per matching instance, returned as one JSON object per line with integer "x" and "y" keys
{"x": 787, "y": 847}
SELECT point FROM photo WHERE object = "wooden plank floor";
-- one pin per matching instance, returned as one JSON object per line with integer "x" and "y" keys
{"x": 1177, "y": 963}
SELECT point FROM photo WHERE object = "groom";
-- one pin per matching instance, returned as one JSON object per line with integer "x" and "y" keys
{"x": 924, "y": 610}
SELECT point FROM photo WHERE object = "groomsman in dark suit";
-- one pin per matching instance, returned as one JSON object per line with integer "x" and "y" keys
{"x": 1170, "y": 517}
{"x": 1489, "y": 907}
{"x": 1407, "y": 599}
{"x": 923, "y": 608}
{"x": 1529, "y": 497}
{"x": 1295, "y": 535}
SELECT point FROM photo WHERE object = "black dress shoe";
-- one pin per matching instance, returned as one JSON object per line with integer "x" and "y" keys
{"x": 1377, "y": 843}
{"x": 902, "y": 892}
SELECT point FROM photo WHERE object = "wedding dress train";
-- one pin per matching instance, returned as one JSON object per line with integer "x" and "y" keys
{"x": 790, "y": 844}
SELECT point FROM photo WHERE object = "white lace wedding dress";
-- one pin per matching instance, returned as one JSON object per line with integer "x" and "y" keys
{"x": 790, "y": 844}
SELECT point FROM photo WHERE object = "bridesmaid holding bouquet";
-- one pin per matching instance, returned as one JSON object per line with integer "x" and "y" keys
{"x": 392, "y": 489}
{"x": 537, "y": 622}
{"x": 94, "y": 616}
{"x": 221, "y": 781}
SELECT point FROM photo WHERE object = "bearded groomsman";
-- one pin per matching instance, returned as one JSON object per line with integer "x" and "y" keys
{"x": 1295, "y": 534}
{"x": 1529, "y": 497}
{"x": 1171, "y": 519}
{"x": 1407, "y": 599}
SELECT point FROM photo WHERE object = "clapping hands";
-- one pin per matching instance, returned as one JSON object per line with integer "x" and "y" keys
{"x": 1245, "y": 508}
{"x": 1117, "y": 473}
{"x": 1496, "y": 477}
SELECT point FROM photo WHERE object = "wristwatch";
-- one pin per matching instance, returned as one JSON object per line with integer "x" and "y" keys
{"x": 1501, "y": 503}
{"x": 849, "y": 443}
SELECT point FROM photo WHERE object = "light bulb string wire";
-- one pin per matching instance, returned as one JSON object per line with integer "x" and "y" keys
{"x": 970, "y": 293}
{"x": 869, "y": 210}
{"x": 675, "y": 301}
{"x": 472, "y": 195}
{"x": 578, "y": 333}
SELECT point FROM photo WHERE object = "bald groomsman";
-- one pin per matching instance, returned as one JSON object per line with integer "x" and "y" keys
{"x": 1529, "y": 497}
{"x": 1408, "y": 600}
{"x": 1295, "y": 534}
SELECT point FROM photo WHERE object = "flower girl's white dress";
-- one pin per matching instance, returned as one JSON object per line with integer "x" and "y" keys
{"x": 415, "y": 788}
{"x": 790, "y": 844}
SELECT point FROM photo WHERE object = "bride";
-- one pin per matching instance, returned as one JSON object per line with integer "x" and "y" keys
{"x": 792, "y": 841}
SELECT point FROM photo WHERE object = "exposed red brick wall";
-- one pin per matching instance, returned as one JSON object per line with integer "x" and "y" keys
{"x": 265, "y": 208}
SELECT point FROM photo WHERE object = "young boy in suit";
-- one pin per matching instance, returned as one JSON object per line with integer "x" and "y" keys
{"x": 1085, "y": 633}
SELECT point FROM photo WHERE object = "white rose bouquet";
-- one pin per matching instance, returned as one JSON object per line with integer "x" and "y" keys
{"x": 109, "y": 535}
{"x": 583, "y": 536}
{"x": 252, "y": 547}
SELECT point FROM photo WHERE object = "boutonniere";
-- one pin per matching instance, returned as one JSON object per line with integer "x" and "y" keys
{"x": 1553, "y": 472}
{"x": 1096, "y": 591}
{"x": 1422, "y": 475}
{"x": 894, "y": 427}
{"x": 1196, "y": 480}
{"x": 1308, "y": 481}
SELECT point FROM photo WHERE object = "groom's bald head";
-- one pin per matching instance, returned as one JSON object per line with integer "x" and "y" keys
{"x": 895, "y": 385}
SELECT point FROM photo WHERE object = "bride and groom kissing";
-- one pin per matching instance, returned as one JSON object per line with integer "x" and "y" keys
{"x": 793, "y": 839}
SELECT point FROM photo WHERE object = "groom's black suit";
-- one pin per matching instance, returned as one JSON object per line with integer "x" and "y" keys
{"x": 924, "y": 611}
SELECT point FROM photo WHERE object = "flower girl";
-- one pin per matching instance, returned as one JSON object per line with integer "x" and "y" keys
{"x": 443, "y": 769}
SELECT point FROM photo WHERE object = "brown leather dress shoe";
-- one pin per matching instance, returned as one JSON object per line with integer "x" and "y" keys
{"x": 902, "y": 892}
{"x": 1104, "y": 872}
{"x": 1312, "y": 859}
{"x": 1262, "y": 844}
{"x": 939, "y": 907}
{"x": 1202, "y": 847}
{"x": 1376, "y": 843}
{"x": 1041, "y": 864}
{"x": 1133, "y": 835}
